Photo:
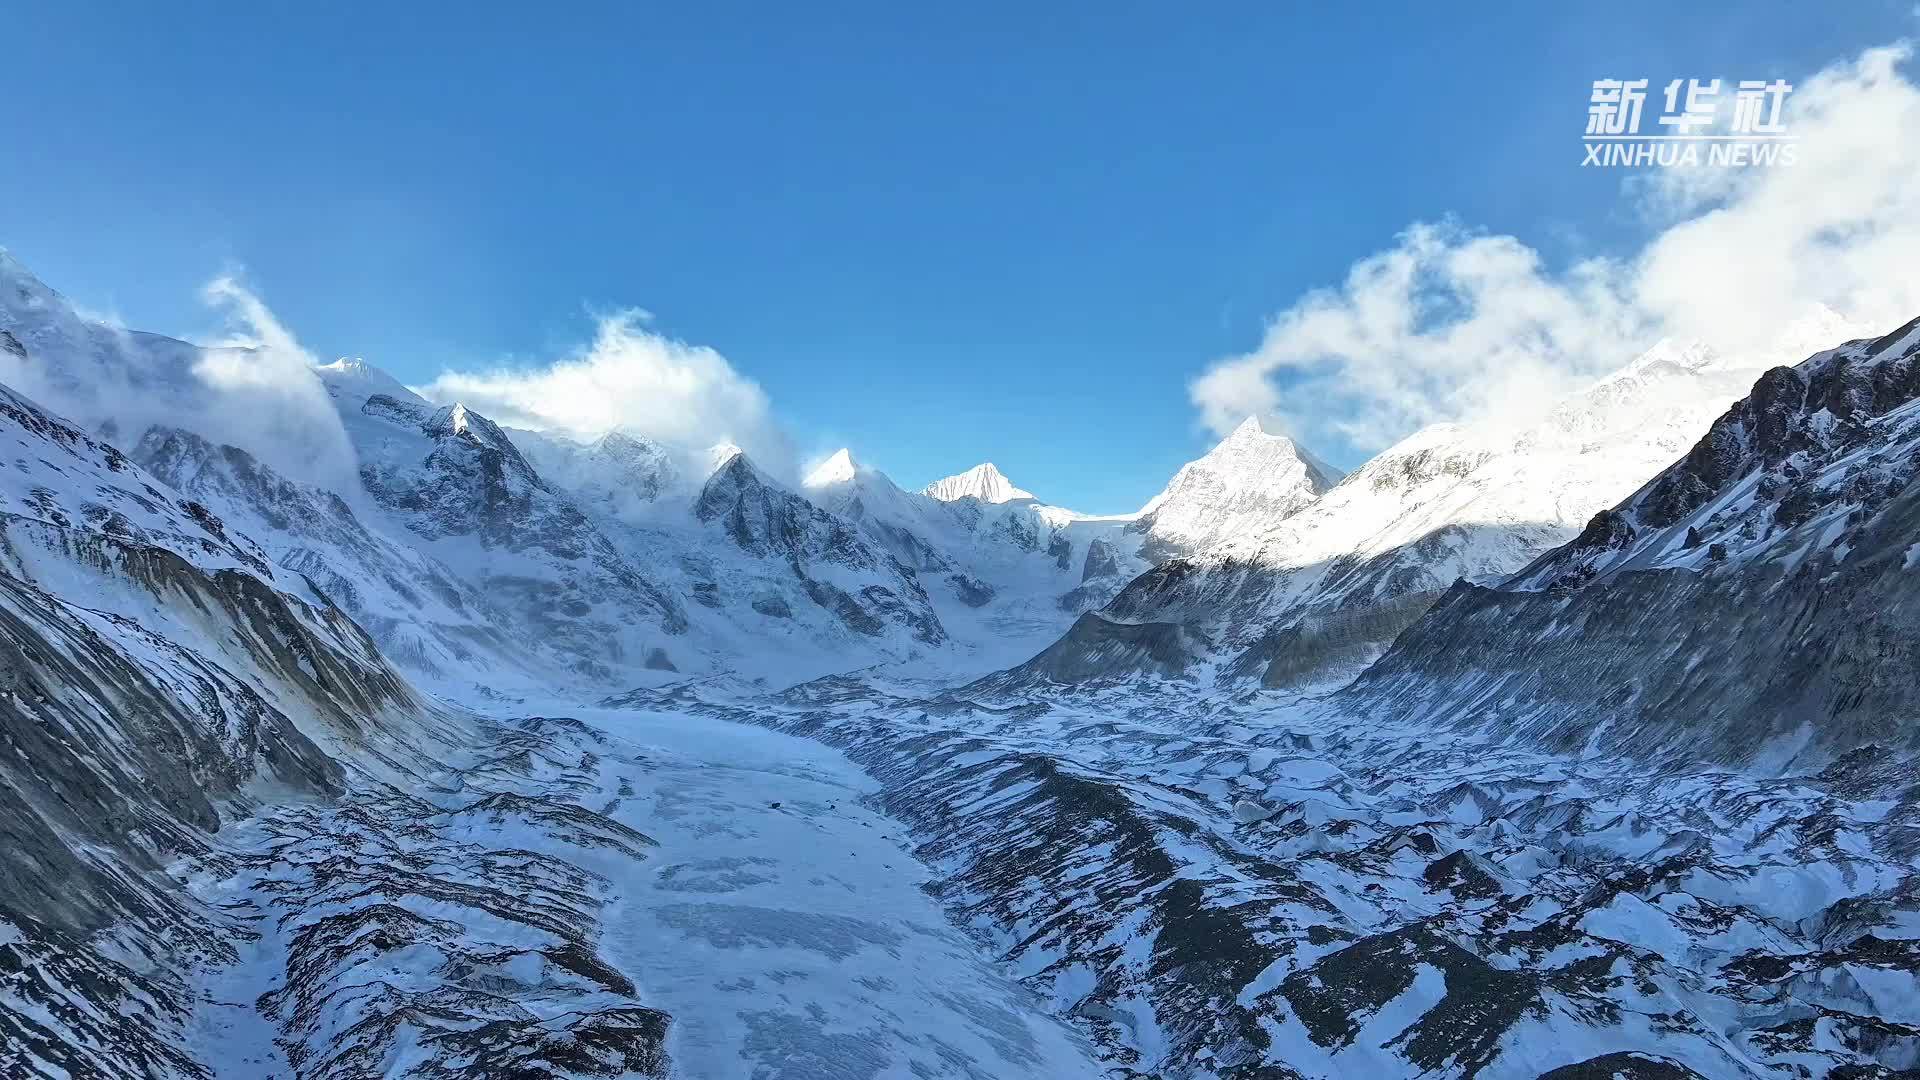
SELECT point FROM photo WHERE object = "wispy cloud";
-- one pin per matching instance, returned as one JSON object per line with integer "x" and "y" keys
{"x": 1455, "y": 324}
{"x": 628, "y": 377}
{"x": 256, "y": 390}
{"x": 264, "y": 394}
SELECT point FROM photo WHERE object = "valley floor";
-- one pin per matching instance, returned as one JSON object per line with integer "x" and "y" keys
{"x": 849, "y": 882}
{"x": 784, "y": 926}
{"x": 779, "y": 922}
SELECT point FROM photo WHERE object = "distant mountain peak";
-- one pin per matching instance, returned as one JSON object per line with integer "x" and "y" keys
{"x": 1251, "y": 440}
{"x": 984, "y": 482}
{"x": 351, "y": 377}
{"x": 1249, "y": 480}
{"x": 838, "y": 469}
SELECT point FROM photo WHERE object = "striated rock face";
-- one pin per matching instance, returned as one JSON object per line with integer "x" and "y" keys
{"x": 764, "y": 519}
{"x": 1827, "y": 441}
{"x": 456, "y": 481}
{"x": 422, "y": 613}
{"x": 171, "y": 716}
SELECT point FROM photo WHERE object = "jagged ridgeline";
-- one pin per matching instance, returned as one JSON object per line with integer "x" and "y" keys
{"x": 1579, "y": 747}
{"x": 1755, "y": 604}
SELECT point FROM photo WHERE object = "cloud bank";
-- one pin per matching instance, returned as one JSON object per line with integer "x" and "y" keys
{"x": 633, "y": 378}
{"x": 1454, "y": 324}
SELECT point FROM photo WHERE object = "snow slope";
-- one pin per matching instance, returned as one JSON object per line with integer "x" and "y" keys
{"x": 1753, "y": 605}
{"x": 1317, "y": 592}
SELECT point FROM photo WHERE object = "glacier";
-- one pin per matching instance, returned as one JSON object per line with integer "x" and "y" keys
{"x": 1575, "y": 745}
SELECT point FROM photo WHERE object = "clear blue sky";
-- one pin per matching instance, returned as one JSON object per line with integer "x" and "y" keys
{"x": 940, "y": 234}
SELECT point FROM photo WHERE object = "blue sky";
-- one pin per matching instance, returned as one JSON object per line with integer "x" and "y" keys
{"x": 938, "y": 235}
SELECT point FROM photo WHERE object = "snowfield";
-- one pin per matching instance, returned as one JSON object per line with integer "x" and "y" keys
{"x": 784, "y": 923}
{"x": 735, "y": 879}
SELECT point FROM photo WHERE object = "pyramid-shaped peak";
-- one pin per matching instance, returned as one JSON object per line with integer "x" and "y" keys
{"x": 837, "y": 469}
{"x": 1253, "y": 432}
{"x": 1250, "y": 455}
{"x": 984, "y": 482}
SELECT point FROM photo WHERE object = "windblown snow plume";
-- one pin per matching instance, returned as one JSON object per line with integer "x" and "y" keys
{"x": 255, "y": 390}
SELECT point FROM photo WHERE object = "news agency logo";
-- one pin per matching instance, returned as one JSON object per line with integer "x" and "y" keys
{"x": 1687, "y": 135}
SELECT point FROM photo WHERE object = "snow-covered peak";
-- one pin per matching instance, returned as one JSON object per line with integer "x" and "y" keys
{"x": 720, "y": 454}
{"x": 1685, "y": 355}
{"x": 1251, "y": 454}
{"x": 1802, "y": 463}
{"x": 838, "y": 469}
{"x": 353, "y": 380}
{"x": 1249, "y": 429}
{"x": 1250, "y": 480}
{"x": 983, "y": 482}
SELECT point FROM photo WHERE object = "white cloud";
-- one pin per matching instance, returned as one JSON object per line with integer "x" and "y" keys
{"x": 628, "y": 377}
{"x": 1451, "y": 324}
{"x": 265, "y": 396}
{"x": 256, "y": 391}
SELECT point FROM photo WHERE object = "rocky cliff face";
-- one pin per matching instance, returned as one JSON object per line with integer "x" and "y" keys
{"x": 457, "y": 482}
{"x": 764, "y": 519}
{"x": 423, "y": 614}
{"x": 202, "y": 798}
{"x": 1751, "y": 605}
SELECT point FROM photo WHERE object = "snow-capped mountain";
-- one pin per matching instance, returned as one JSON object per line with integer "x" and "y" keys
{"x": 459, "y": 485}
{"x": 983, "y": 482}
{"x": 1250, "y": 481}
{"x": 1010, "y": 573}
{"x": 623, "y": 471}
{"x": 1643, "y": 810}
{"x": 1822, "y": 445}
{"x": 1738, "y": 608}
{"x": 163, "y": 693}
{"x": 1317, "y": 589}
{"x": 827, "y": 555}
{"x": 425, "y": 616}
